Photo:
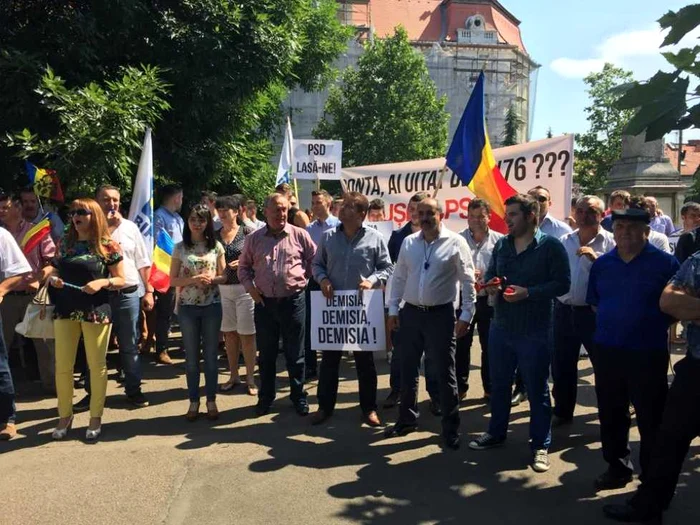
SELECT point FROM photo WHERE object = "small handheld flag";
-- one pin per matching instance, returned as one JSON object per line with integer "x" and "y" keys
{"x": 162, "y": 256}
{"x": 36, "y": 234}
{"x": 45, "y": 182}
{"x": 284, "y": 169}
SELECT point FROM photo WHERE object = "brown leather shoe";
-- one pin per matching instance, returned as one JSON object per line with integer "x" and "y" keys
{"x": 7, "y": 431}
{"x": 164, "y": 359}
{"x": 319, "y": 417}
{"x": 192, "y": 412}
{"x": 372, "y": 419}
{"x": 212, "y": 411}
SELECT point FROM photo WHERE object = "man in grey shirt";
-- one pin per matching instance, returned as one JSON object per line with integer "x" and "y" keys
{"x": 350, "y": 257}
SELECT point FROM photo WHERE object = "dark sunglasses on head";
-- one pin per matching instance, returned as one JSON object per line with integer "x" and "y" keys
{"x": 79, "y": 212}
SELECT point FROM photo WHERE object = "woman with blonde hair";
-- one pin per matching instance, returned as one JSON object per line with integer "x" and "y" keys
{"x": 88, "y": 263}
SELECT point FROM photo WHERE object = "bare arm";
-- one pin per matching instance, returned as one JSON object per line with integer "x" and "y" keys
{"x": 678, "y": 303}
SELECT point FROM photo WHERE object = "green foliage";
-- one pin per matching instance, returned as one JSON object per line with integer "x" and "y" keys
{"x": 660, "y": 103}
{"x": 387, "y": 109}
{"x": 228, "y": 66}
{"x": 599, "y": 148}
{"x": 511, "y": 130}
{"x": 100, "y": 128}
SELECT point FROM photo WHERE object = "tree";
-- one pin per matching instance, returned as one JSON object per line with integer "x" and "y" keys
{"x": 661, "y": 103}
{"x": 549, "y": 132}
{"x": 100, "y": 128}
{"x": 387, "y": 109}
{"x": 511, "y": 130}
{"x": 599, "y": 148}
{"x": 228, "y": 66}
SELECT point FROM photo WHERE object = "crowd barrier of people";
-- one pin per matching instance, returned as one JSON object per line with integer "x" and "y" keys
{"x": 602, "y": 284}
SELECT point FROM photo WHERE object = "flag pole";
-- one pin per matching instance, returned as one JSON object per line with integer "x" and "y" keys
{"x": 442, "y": 176}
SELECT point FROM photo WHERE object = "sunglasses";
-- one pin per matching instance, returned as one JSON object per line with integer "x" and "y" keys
{"x": 79, "y": 212}
{"x": 541, "y": 198}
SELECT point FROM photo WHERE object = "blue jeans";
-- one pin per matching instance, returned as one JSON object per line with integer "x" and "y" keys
{"x": 201, "y": 324}
{"x": 125, "y": 316}
{"x": 531, "y": 355}
{"x": 7, "y": 388}
{"x": 284, "y": 317}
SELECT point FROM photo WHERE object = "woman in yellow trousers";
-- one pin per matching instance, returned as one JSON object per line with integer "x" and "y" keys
{"x": 88, "y": 264}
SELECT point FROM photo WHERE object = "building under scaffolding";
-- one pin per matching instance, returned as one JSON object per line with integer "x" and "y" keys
{"x": 459, "y": 38}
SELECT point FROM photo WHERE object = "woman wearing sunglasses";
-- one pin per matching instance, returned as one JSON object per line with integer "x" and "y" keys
{"x": 88, "y": 263}
{"x": 197, "y": 269}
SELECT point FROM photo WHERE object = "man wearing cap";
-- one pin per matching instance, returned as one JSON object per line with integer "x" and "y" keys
{"x": 631, "y": 340}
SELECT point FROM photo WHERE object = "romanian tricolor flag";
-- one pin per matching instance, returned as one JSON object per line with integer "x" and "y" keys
{"x": 45, "y": 182}
{"x": 162, "y": 254}
{"x": 470, "y": 157}
{"x": 35, "y": 235}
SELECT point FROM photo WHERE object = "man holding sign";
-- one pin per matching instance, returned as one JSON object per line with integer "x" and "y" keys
{"x": 350, "y": 257}
{"x": 431, "y": 265}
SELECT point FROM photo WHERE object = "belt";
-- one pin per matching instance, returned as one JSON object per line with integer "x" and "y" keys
{"x": 423, "y": 308}
{"x": 282, "y": 299}
{"x": 125, "y": 290}
{"x": 574, "y": 307}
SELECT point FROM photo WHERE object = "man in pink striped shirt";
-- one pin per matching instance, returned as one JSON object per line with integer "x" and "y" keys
{"x": 274, "y": 268}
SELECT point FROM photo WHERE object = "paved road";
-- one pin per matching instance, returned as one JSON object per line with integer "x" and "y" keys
{"x": 151, "y": 466}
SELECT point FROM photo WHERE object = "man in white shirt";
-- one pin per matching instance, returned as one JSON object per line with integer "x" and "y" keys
{"x": 548, "y": 224}
{"x": 659, "y": 222}
{"x": 126, "y": 303}
{"x": 432, "y": 264}
{"x": 251, "y": 209}
{"x": 574, "y": 320}
{"x": 481, "y": 240}
{"x": 13, "y": 267}
{"x": 656, "y": 239}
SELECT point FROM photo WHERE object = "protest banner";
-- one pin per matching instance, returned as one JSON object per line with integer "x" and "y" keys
{"x": 673, "y": 240}
{"x": 317, "y": 159}
{"x": 350, "y": 321}
{"x": 547, "y": 163}
{"x": 383, "y": 227}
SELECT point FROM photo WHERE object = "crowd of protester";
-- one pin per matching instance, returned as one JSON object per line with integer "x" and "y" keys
{"x": 602, "y": 284}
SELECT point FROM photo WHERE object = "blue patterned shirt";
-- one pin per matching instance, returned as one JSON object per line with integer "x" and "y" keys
{"x": 688, "y": 278}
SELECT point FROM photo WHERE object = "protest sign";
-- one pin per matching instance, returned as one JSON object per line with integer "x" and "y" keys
{"x": 317, "y": 159}
{"x": 350, "y": 320}
{"x": 383, "y": 227}
{"x": 673, "y": 240}
{"x": 548, "y": 163}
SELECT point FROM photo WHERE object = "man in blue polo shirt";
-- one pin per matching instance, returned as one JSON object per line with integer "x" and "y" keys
{"x": 681, "y": 420}
{"x": 631, "y": 339}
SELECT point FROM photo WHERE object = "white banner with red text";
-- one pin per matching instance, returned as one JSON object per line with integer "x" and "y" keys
{"x": 547, "y": 163}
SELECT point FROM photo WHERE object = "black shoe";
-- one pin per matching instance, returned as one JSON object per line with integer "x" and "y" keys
{"x": 302, "y": 408}
{"x": 561, "y": 421}
{"x": 453, "y": 442}
{"x": 138, "y": 400}
{"x": 391, "y": 400}
{"x": 518, "y": 397}
{"x": 399, "y": 430}
{"x": 435, "y": 408}
{"x": 262, "y": 408}
{"x": 485, "y": 441}
{"x": 628, "y": 514}
{"x": 610, "y": 480}
{"x": 82, "y": 405}
{"x": 121, "y": 377}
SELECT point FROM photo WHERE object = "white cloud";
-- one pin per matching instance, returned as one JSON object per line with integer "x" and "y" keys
{"x": 619, "y": 49}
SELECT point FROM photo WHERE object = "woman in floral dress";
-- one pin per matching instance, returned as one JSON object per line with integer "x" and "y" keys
{"x": 197, "y": 269}
{"x": 88, "y": 263}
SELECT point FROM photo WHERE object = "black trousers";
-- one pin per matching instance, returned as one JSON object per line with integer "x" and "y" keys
{"x": 328, "y": 380}
{"x": 432, "y": 330}
{"x": 164, "y": 307}
{"x": 624, "y": 376}
{"x": 286, "y": 318}
{"x": 679, "y": 426}
{"x": 311, "y": 358}
{"x": 482, "y": 320}
{"x": 573, "y": 326}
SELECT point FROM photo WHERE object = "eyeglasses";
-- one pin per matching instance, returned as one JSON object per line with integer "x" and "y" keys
{"x": 80, "y": 212}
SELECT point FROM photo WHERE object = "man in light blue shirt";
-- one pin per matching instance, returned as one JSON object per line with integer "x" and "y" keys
{"x": 166, "y": 217}
{"x": 323, "y": 221}
{"x": 548, "y": 224}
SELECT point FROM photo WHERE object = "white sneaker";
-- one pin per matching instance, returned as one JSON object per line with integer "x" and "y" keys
{"x": 541, "y": 461}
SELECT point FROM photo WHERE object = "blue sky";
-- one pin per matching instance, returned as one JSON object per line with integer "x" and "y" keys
{"x": 570, "y": 38}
